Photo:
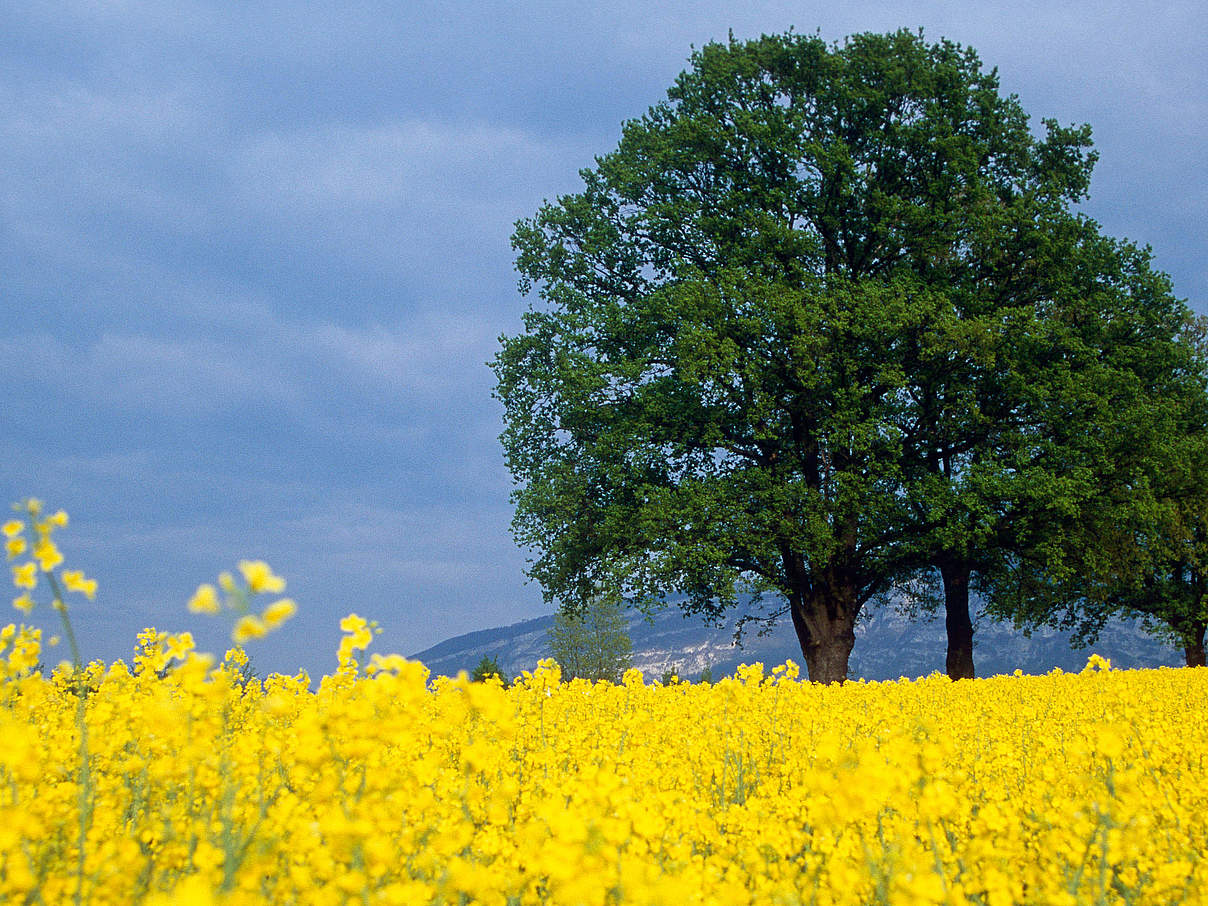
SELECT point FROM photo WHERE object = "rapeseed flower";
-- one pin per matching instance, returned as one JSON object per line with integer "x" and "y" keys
{"x": 74, "y": 580}
{"x": 248, "y": 627}
{"x": 762, "y": 789}
{"x": 15, "y": 544}
{"x": 260, "y": 578}
{"x": 237, "y": 599}
{"x": 278, "y": 612}
{"x": 20, "y": 649}
{"x": 358, "y": 634}
{"x": 26, "y": 575}
{"x": 44, "y": 550}
{"x": 205, "y": 600}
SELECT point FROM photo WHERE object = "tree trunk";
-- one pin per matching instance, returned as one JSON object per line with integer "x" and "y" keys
{"x": 826, "y": 630}
{"x": 959, "y": 662}
{"x": 1194, "y": 649}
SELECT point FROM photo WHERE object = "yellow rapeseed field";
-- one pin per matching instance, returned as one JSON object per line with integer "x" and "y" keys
{"x": 175, "y": 780}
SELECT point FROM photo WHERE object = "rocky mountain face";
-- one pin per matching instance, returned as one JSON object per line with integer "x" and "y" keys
{"x": 889, "y": 645}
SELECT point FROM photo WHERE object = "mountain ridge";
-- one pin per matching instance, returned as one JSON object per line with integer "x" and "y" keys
{"x": 889, "y": 645}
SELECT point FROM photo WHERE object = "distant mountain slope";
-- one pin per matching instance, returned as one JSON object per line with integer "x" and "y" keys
{"x": 888, "y": 646}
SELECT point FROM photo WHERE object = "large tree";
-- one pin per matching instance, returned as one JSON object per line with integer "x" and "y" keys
{"x": 789, "y": 336}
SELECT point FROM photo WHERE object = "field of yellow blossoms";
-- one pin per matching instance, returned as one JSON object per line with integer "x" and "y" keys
{"x": 178, "y": 780}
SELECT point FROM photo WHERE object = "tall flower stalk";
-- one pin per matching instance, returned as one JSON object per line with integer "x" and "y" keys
{"x": 44, "y": 559}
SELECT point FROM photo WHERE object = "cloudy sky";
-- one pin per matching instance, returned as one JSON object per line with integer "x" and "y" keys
{"x": 256, "y": 256}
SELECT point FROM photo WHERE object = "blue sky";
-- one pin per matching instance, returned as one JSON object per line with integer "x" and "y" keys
{"x": 256, "y": 256}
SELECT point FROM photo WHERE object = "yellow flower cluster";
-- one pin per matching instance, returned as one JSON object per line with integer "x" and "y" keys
{"x": 20, "y": 648}
{"x": 202, "y": 786}
{"x": 259, "y": 579}
{"x": 44, "y": 556}
{"x": 358, "y": 633}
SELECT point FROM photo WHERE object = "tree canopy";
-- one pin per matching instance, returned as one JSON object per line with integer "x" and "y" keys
{"x": 824, "y": 319}
{"x": 486, "y": 668}
{"x": 1139, "y": 547}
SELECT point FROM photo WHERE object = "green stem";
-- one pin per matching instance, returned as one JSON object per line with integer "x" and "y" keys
{"x": 81, "y": 722}
{"x": 67, "y": 630}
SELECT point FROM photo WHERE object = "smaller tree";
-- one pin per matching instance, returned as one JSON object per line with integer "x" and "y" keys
{"x": 592, "y": 641}
{"x": 1139, "y": 548}
{"x": 488, "y": 667}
